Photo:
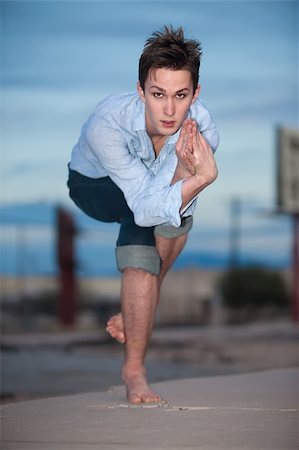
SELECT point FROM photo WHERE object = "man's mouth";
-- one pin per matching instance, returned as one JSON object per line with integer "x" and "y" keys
{"x": 168, "y": 123}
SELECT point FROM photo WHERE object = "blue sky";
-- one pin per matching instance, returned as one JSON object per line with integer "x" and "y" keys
{"x": 59, "y": 58}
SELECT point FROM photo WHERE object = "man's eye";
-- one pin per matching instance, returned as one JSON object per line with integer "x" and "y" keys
{"x": 180, "y": 96}
{"x": 158, "y": 94}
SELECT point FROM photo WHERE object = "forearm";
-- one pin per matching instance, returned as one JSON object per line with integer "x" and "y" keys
{"x": 192, "y": 186}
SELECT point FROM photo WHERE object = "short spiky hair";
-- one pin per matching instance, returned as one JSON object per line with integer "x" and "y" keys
{"x": 170, "y": 49}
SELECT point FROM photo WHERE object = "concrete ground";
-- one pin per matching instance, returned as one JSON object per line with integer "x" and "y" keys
{"x": 240, "y": 391}
{"x": 255, "y": 411}
{"x": 36, "y": 365}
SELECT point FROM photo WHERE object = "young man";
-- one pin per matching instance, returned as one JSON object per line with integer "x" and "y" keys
{"x": 141, "y": 160}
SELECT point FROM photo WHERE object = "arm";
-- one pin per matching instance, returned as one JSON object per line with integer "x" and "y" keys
{"x": 152, "y": 198}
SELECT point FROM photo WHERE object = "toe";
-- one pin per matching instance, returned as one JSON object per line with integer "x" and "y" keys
{"x": 147, "y": 399}
{"x": 155, "y": 397}
{"x": 121, "y": 338}
{"x": 134, "y": 398}
{"x": 158, "y": 398}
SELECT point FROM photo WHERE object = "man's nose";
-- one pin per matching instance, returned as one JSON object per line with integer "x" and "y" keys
{"x": 169, "y": 108}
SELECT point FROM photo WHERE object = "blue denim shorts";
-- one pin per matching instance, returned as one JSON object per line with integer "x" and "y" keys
{"x": 102, "y": 200}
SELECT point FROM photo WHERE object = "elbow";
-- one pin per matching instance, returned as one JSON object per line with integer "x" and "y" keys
{"x": 140, "y": 218}
{"x": 138, "y": 221}
{"x": 143, "y": 218}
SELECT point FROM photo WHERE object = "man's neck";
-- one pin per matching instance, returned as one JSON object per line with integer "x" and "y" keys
{"x": 158, "y": 142}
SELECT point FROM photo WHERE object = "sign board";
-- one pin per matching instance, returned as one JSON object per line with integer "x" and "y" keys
{"x": 288, "y": 170}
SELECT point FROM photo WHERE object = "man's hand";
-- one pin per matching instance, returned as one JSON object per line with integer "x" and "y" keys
{"x": 195, "y": 156}
{"x": 200, "y": 156}
{"x": 196, "y": 152}
{"x": 184, "y": 149}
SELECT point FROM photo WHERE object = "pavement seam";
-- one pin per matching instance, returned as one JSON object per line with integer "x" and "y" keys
{"x": 227, "y": 408}
{"x": 144, "y": 406}
{"x": 174, "y": 408}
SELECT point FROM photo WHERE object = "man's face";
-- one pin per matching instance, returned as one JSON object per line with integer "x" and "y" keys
{"x": 167, "y": 96}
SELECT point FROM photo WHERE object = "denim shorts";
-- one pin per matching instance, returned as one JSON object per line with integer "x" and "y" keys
{"x": 102, "y": 200}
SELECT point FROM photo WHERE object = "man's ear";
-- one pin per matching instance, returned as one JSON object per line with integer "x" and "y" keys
{"x": 196, "y": 93}
{"x": 140, "y": 91}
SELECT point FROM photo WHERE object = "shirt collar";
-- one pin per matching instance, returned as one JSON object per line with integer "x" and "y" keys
{"x": 139, "y": 115}
{"x": 173, "y": 138}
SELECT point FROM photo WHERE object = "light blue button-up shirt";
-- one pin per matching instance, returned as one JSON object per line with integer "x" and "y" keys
{"x": 114, "y": 143}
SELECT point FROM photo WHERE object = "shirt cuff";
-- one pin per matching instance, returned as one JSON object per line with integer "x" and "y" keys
{"x": 175, "y": 204}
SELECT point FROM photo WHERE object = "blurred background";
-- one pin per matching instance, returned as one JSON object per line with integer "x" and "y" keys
{"x": 227, "y": 304}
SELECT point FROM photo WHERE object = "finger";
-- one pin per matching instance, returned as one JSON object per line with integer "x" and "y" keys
{"x": 195, "y": 141}
{"x": 204, "y": 143}
{"x": 186, "y": 139}
{"x": 190, "y": 158}
{"x": 185, "y": 124}
{"x": 180, "y": 140}
{"x": 189, "y": 143}
{"x": 188, "y": 165}
{"x": 194, "y": 127}
{"x": 201, "y": 138}
{"x": 189, "y": 126}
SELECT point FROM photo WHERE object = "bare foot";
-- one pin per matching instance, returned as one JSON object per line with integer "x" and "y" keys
{"x": 115, "y": 328}
{"x": 138, "y": 391}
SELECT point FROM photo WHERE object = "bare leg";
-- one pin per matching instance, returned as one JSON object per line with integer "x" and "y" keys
{"x": 168, "y": 249}
{"x": 139, "y": 300}
{"x": 140, "y": 295}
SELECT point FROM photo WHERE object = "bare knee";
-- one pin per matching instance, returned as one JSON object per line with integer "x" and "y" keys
{"x": 140, "y": 276}
{"x": 169, "y": 250}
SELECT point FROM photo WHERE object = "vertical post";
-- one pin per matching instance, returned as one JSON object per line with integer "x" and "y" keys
{"x": 235, "y": 230}
{"x": 288, "y": 197}
{"x": 66, "y": 260}
{"x": 295, "y": 303}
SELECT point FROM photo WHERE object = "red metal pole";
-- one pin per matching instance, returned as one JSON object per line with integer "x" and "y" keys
{"x": 66, "y": 260}
{"x": 295, "y": 304}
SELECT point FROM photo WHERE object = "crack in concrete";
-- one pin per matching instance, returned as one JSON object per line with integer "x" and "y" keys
{"x": 227, "y": 408}
{"x": 175, "y": 408}
{"x": 138, "y": 405}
